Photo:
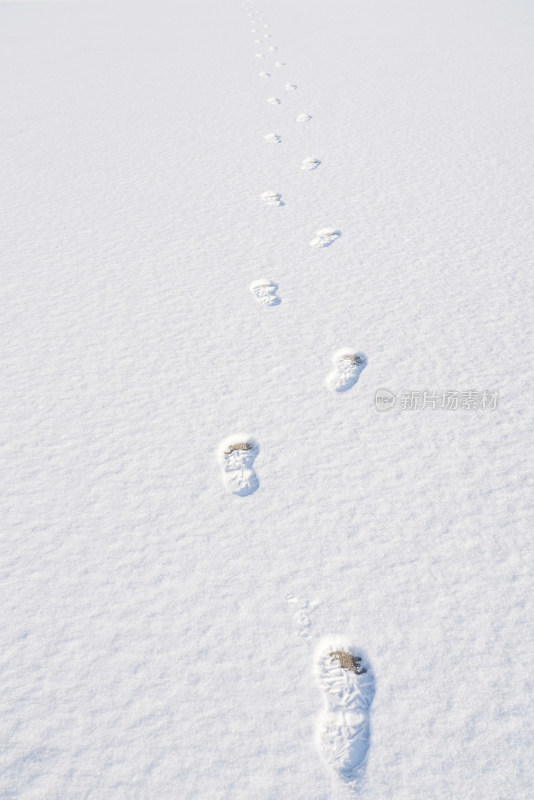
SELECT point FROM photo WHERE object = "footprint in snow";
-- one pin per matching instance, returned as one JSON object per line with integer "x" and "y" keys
{"x": 279, "y": 64}
{"x": 272, "y": 49}
{"x": 259, "y": 55}
{"x": 273, "y": 138}
{"x": 310, "y": 163}
{"x": 265, "y": 75}
{"x": 236, "y": 456}
{"x": 303, "y": 118}
{"x": 348, "y": 367}
{"x": 343, "y": 729}
{"x": 264, "y": 291}
{"x": 325, "y": 237}
{"x": 275, "y": 101}
{"x": 290, "y": 87}
{"x": 302, "y": 616}
{"x": 272, "y": 198}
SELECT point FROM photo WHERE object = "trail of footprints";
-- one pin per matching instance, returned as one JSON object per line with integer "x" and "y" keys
{"x": 347, "y": 365}
{"x": 343, "y": 675}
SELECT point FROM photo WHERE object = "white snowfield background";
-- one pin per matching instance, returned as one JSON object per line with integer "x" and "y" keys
{"x": 158, "y": 632}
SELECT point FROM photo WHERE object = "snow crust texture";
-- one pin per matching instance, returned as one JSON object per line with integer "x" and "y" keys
{"x": 162, "y": 597}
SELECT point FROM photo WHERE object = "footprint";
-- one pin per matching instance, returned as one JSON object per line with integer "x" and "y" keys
{"x": 305, "y": 624}
{"x": 289, "y": 87}
{"x": 303, "y": 118}
{"x": 267, "y": 35}
{"x": 273, "y": 198}
{"x": 302, "y": 618}
{"x": 259, "y": 55}
{"x": 273, "y": 138}
{"x": 275, "y": 101}
{"x": 310, "y": 163}
{"x": 236, "y": 456}
{"x": 257, "y": 41}
{"x": 325, "y": 237}
{"x": 279, "y": 64}
{"x": 343, "y": 727}
{"x": 264, "y": 291}
{"x": 347, "y": 369}
{"x": 265, "y": 74}
{"x": 272, "y": 49}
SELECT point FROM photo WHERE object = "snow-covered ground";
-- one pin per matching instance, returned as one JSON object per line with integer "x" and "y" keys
{"x": 159, "y": 632}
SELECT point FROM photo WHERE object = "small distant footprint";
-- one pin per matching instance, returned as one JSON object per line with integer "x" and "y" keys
{"x": 302, "y": 618}
{"x": 259, "y": 55}
{"x": 267, "y": 35}
{"x": 275, "y": 101}
{"x": 265, "y": 74}
{"x": 236, "y": 456}
{"x": 290, "y": 87}
{"x": 310, "y": 163}
{"x": 347, "y": 369}
{"x": 303, "y": 118}
{"x": 272, "y": 49}
{"x": 273, "y": 198}
{"x": 264, "y": 291}
{"x": 325, "y": 237}
{"x": 273, "y": 138}
{"x": 343, "y": 730}
{"x": 279, "y": 64}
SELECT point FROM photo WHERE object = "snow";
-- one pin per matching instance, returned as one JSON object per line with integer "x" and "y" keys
{"x": 159, "y": 630}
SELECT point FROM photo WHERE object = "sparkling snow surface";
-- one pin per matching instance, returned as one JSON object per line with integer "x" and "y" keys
{"x": 158, "y": 631}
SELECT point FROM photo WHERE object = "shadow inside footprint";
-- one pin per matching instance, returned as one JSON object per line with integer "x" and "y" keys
{"x": 343, "y": 731}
